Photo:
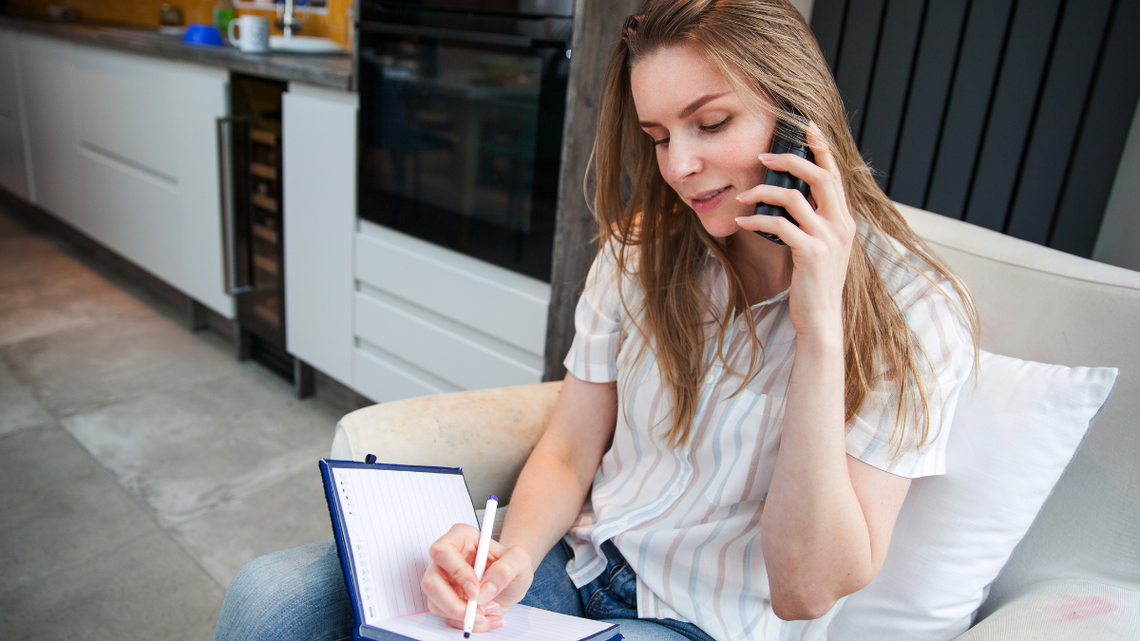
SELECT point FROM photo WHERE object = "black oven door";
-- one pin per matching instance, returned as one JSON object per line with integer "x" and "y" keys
{"x": 461, "y": 132}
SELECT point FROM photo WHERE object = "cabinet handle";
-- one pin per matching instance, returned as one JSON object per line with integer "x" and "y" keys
{"x": 235, "y": 245}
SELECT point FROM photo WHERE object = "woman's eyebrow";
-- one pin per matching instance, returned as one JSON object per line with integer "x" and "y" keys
{"x": 689, "y": 110}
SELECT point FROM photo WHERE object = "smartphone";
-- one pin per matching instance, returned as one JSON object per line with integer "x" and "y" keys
{"x": 788, "y": 138}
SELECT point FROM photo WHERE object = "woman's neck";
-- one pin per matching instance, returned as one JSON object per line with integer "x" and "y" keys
{"x": 764, "y": 267}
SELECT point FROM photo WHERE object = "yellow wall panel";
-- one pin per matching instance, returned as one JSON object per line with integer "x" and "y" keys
{"x": 334, "y": 24}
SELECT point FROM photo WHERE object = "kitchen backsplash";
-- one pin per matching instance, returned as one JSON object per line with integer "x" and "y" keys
{"x": 335, "y": 24}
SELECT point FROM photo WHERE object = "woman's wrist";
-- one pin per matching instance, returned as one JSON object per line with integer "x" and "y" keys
{"x": 525, "y": 544}
{"x": 820, "y": 341}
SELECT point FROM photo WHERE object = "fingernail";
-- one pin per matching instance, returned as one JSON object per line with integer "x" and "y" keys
{"x": 471, "y": 590}
{"x": 491, "y": 608}
{"x": 740, "y": 218}
{"x": 490, "y": 589}
{"x": 767, "y": 157}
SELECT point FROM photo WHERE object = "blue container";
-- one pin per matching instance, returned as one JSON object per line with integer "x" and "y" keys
{"x": 203, "y": 34}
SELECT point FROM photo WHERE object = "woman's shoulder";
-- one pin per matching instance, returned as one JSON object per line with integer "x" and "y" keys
{"x": 906, "y": 275}
{"x": 611, "y": 281}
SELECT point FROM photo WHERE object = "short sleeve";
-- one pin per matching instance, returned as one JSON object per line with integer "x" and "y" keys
{"x": 934, "y": 315}
{"x": 597, "y": 323}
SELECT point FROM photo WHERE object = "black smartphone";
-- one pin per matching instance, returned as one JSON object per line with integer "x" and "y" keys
{"x": 788, "y": 138}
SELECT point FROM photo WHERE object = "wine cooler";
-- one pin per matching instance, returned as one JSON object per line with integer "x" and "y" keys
{"x": 250, "y": 145}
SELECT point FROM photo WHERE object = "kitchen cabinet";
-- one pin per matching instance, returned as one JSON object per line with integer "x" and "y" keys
{"x": 13, "y": 167}
{"x": 123, "y": 147}
{"x": 48, "y": 102}
{"x": 389, "y": 315}
{"x": 148, "y": 161}
{"x": 319, "y": 140}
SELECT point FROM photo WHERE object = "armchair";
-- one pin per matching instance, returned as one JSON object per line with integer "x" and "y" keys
{"x": 1079, "y": 563}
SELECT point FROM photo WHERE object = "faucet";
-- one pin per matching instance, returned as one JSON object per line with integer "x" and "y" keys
{"x": 289, "y": 22}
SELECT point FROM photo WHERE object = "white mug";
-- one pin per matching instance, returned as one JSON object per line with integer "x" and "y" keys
{"x": 254, "y": 35}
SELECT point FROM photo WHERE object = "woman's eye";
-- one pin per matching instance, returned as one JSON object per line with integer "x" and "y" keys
{"x": 715, "y": 127}
{"x": 658, "y": 143}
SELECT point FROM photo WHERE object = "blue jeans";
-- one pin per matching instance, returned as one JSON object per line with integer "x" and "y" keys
{"x": 300, "y": 595}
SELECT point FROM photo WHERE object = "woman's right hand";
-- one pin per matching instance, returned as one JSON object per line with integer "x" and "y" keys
{"x": 450, "y": 579}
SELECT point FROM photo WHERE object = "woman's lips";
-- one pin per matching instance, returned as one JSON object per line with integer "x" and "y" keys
{"x": 709, "y": 201}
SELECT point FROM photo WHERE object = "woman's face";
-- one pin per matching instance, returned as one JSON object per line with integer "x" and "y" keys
{"x": 707, "y": 139}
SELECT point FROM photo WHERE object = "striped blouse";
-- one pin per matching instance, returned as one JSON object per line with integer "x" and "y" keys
{"x": 688, "y": 519}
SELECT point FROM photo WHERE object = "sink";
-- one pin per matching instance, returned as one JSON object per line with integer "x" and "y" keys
{"x": 304, "y": 44}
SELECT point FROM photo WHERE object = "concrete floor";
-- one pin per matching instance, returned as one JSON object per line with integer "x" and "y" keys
{"x": 140, "y": 464}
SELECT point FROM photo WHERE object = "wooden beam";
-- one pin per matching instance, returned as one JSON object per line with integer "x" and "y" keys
{"x": 597, "y": 26}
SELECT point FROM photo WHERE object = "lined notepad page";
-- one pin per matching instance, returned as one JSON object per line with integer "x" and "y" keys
{"x": 391, "y": 519}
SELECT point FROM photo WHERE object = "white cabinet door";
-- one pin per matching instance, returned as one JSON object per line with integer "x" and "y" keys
{"x": 199, "y": 98}
{"x": 148, "y": 161}
{"x": 320, "y": 219}
{"x": 47, "y": 80}
{"x": 13, "y": 167}
{"x": 127, "y": 159}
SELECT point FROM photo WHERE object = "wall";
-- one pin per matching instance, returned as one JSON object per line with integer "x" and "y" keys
{"x": 1119, "y": 240}
{"x": 144, "y": 13}
{"x": 1009, "y": 115}
{"x": 805, "y": 7}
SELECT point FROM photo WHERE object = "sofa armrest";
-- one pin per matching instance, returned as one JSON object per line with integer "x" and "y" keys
{"x": 1060, "y": 610}
{"x": 489, "y": 433}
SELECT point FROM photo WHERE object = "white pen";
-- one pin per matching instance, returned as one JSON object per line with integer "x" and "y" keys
{"x": 480, "y": 560}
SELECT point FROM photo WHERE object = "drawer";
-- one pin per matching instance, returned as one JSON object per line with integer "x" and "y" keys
{"x": 382, "y": 378}
{"x": 440, "y": 347}
{"x": 488, "y": 299}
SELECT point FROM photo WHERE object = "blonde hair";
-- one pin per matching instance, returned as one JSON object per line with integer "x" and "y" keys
{"x": 767, "y": 53}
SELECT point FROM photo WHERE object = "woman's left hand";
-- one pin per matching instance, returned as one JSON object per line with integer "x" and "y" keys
{"x": 821, "y": 245}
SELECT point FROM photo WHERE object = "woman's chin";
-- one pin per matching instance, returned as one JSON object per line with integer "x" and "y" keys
{"x": 720, "y": 226}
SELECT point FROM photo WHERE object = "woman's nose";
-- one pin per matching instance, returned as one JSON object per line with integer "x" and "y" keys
{"x": 683, "y": 160}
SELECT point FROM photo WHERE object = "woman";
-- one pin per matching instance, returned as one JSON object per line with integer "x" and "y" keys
{"x": 741, "y": 418}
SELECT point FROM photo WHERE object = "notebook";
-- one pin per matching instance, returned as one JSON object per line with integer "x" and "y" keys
{"x": 384, "y": 517}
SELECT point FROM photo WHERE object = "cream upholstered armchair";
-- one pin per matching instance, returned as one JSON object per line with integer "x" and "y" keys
{"x": 1076, "y": 572}
{"x": 489, "y": 433}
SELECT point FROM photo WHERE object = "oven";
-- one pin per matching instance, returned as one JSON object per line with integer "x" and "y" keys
{"x": 461, "y": 112}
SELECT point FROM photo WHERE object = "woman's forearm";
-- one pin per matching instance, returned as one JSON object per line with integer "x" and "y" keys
{"x": 816, "y": 541}
{"x": 559, "y": 472}
{"x": 544, "y": 504}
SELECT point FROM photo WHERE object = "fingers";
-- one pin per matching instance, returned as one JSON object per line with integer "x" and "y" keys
{"x": 445, "y": 601}
{"x": 828, "y": 192}
{"x": 792, "y": 235}
{"x": 822, "y": 176}
{"x": 450, "y": 579}
{"x": 821, "y": 150}
{"x": 508, "y": 576}
{"x": 443, "y": 597}
{"x": 454, "y": 553}
{"x": 825, "y": 189}
{"x": 825, "y": 214}
{"x": 484, "y": 621}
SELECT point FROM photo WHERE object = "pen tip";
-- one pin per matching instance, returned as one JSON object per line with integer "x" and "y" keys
{"x": 466, "y": 635}
{"x": 492, "y": 498}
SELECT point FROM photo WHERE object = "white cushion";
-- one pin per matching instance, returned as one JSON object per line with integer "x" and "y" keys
{"x": 1011, "y": 439}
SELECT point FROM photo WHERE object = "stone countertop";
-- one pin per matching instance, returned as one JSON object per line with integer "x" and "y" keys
{"x": 333, "y": 71}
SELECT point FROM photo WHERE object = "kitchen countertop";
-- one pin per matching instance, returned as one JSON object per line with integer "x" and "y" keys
{"x": 333, "y": 71}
